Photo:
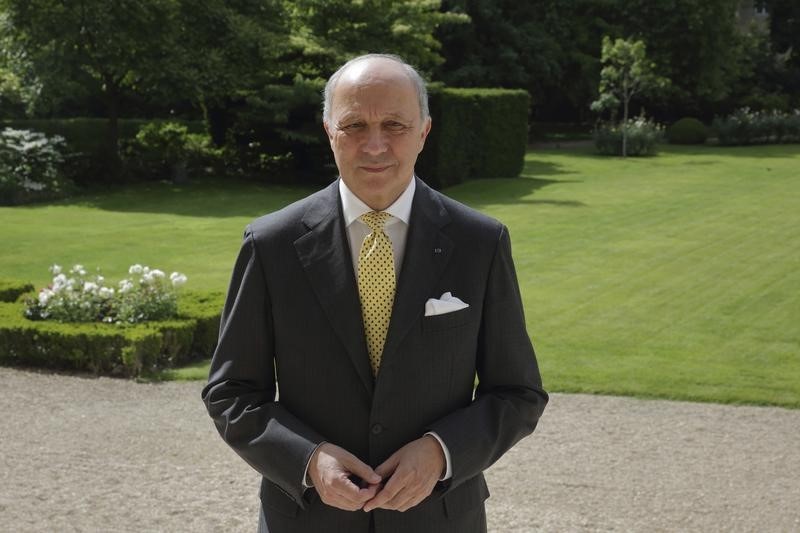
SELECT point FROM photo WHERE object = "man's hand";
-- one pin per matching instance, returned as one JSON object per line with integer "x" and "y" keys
{"x": 330, "y": 468}
{"x": 414, "y": 469}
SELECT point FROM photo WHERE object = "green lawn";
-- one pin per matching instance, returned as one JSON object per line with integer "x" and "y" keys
{"x": 676, "y": 276}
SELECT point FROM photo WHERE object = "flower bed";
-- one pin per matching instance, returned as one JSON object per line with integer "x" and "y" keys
{"x": 118, "y": 349}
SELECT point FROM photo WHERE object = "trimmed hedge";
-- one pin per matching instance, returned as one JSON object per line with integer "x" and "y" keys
{"x": 112, "y": 349}
{"x": 477, "y": 133}
{"x": 11, "y": 290}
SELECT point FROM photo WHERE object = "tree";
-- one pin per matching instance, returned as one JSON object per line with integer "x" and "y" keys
{"x": 327, "y": 33}
{"x": 692, "y": 42}
{"x": 548, "y": 47}
{"x": 165, "y": 49}
{"x": 626, "y": 72}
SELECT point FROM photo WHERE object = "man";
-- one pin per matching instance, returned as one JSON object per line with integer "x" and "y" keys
{"x": 372, "y": 305}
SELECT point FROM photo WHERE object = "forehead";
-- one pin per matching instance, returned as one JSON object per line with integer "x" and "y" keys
{"x": 375, "y": 87}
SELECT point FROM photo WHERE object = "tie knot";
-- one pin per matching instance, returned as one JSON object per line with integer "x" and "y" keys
{"x": 375, "y": 219}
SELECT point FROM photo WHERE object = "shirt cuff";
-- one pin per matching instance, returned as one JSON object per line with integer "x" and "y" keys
{"x": 448, "y": 473}
{"x": 307, "y": 483}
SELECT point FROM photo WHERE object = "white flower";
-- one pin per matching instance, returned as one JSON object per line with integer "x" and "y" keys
{"x": 177, "y": 279}
{"x": 89, "y": 287}
{"x": 44, "y": 296}
{"x": 106, "y": 292}
{"x": 100, "y": 279}
{"x": 125, "y": 285}
{"x": 155, "y": 273}
{"x": 60, "y": 281}
{"x": 55, "y": 270}
{"x": 135, "y": 269}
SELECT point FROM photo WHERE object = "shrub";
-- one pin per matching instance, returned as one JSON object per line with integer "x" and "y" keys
{"x": 80, "y": 298}
{"x": 687, "y": 130}
{"x": 477, "y": 133}
{"x": 275, "y": 134}
{"x": 30, "y": 167}
{"x": 758, "y": 127}
{"x": 643, "y": 137}
{"x": 166, "y": 150}
{"x": 88, "y": 159}
{"x": 11, "y": 290}
{"x": 114, "y": 349}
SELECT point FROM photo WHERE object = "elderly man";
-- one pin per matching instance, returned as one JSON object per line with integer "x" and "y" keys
{"x": 371, "y": 306}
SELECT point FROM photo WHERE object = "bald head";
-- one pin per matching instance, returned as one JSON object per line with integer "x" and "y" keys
{"x": 372, "y": 69}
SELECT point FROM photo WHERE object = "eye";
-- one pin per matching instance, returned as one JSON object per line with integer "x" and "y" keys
{"x": 395, "y": 126}
{"x": 352, "y": 126}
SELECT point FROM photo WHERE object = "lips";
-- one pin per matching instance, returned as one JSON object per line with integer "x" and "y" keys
{"x": 375, "y": 169}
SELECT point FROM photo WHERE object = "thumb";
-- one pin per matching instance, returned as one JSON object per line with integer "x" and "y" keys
{"x": 388, "y": 467}
{"x": 362, "y": 470}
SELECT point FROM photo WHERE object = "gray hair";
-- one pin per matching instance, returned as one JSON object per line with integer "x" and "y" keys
{"x": 413, "y": 76}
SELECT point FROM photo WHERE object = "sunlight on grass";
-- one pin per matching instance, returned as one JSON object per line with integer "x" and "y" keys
{"x": 676, "y": 276}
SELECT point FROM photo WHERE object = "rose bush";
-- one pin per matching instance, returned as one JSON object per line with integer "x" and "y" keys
{"x": 76, "y": 296}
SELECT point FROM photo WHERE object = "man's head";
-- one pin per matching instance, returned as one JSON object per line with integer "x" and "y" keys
{"x": 376, "y": 117}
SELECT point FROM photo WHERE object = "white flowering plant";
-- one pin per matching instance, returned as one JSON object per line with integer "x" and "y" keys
{"x": 30, "y": 166}
{"x": 75, "y": 296}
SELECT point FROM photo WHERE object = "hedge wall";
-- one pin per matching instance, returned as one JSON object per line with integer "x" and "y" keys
{"x": 112, "y": 349}
{"x": 10, "y": 290}
{"x": 477, "y": 133}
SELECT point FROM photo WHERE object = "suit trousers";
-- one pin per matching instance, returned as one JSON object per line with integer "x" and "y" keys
{"x": 262, "y": 522}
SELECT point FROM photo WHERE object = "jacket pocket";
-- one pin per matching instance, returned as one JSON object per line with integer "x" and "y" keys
{"x": 465, "y": 497}
{"x": 448, "y": 320}
{"x": 275, "y": 499}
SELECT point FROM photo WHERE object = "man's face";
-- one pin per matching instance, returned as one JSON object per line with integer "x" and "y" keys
{"x": 376, "y": 131}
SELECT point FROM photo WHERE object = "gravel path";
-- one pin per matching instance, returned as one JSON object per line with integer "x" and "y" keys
{"x": 97, "y": 454}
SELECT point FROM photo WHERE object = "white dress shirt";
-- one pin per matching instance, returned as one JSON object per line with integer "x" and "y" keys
{"x": 396, "y": 228}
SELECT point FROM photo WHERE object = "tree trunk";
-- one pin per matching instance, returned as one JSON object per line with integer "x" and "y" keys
{"x": 625, "y": 129}
{"x": 111, "y": 156}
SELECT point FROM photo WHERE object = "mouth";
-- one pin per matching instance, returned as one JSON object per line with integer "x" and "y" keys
{"x": 375, "y": 169}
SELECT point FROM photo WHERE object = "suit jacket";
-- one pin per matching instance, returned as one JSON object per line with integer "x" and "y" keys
{"x": 292, "y": 321}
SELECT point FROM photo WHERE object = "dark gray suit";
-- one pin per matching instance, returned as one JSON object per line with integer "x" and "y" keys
{"x": 293, "y": 313}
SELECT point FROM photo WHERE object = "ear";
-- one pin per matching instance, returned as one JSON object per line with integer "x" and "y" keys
{"x": 426, "y": 129}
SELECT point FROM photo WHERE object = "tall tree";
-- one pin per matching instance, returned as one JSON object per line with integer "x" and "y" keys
{"x": 198, "y": 50}
{"x": 692, "y": 42}
{"x": 328, "y": 32}
{"x": 551, "y": 48}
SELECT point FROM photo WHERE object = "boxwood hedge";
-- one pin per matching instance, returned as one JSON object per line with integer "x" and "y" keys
{"x": 477, "y": 133}
{"x": 112, "y": 349}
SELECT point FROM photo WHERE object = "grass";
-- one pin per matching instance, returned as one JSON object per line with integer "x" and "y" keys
{"x": 676, "y": 276}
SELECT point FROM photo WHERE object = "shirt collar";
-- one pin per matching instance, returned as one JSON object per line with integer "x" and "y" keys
{"x": 353, "y": 207}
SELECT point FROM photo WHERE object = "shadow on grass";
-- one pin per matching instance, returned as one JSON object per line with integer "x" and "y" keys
{"x": 201, "y": 198}
{"x": 479, "y": 193}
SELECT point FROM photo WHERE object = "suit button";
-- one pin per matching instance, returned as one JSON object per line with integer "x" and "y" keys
{"x": 377, "y": 429}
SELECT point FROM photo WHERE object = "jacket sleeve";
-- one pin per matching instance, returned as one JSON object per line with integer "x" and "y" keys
{"x": 241, "y": 394}
{"x": 509, "y": 398}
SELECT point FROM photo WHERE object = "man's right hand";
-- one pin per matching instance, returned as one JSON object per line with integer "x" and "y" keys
{"x": 330, "y": 469}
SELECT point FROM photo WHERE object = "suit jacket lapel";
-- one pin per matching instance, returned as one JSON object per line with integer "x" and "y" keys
{"x": 428, "y": 251}
{"x": 324, "y": 254}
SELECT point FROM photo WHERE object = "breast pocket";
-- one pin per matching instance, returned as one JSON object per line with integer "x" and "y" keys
{"x": 453, "y": 320}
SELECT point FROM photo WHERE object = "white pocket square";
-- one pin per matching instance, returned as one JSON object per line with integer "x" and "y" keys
{"x": 446, "y": 304}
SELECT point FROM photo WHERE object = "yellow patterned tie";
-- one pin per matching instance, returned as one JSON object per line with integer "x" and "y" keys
{"x": 376, "y": 284}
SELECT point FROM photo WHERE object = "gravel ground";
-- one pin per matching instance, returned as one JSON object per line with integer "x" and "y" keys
{"x": 98, "y": 454}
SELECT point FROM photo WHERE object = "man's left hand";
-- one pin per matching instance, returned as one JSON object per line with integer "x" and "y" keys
{"x": 413, "y": 471}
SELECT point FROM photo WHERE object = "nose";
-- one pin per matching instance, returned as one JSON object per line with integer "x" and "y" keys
{"x": 375, "y": 142}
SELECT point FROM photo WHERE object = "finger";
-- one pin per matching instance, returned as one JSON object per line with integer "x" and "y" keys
{"x": 389, "y": 491}
{"x": 355, "y": 466}
{"x": 387, "y": 468}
